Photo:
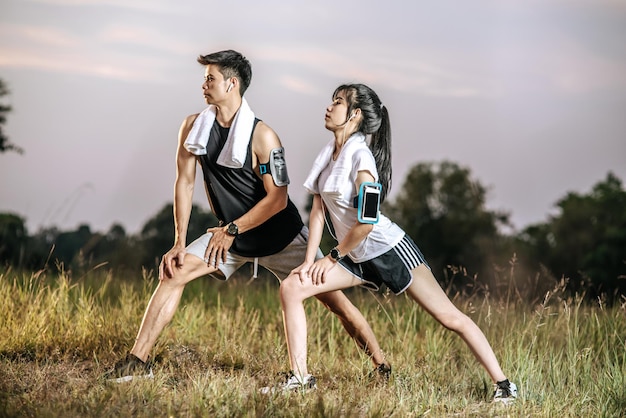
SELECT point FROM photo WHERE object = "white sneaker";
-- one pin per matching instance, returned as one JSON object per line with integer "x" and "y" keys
{"x": 505, "y": 392}
{"x": 293, "y": 383}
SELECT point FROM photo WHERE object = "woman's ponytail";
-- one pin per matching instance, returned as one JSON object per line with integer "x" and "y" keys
{"x": 380, "y": 144}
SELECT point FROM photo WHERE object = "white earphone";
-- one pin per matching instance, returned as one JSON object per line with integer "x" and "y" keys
{"x": 230, "y": 87}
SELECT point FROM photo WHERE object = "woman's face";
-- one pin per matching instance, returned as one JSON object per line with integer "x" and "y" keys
{"x": 337, "y": 112}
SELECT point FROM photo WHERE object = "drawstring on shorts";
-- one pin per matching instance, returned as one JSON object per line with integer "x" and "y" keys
{"x": 255, "y": 268}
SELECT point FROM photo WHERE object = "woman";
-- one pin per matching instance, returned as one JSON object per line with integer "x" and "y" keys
{"x": 369, "y": 254}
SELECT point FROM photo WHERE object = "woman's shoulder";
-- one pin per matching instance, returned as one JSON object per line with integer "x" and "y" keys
{"x": 363, "y": 155}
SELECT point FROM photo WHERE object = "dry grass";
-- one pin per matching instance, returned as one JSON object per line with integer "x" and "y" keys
{"x": 57, "y": 336}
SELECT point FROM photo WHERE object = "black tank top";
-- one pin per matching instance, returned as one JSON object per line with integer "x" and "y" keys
{"x": 234, "y": 191}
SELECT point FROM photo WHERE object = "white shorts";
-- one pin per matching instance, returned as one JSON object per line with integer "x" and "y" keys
{"x": 280, "y": 264}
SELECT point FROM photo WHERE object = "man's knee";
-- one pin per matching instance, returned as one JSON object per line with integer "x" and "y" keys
{"x": 289, "y": 288}
{"x": 179, "y": 278}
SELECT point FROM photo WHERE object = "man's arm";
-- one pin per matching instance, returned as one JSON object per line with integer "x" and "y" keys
{"x": 183, "y": 194}
{"x": 263, "y": 142}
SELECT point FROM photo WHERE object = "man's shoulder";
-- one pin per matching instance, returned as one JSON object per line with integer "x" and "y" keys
{"x": 189, "y": 120}
{"x": 185, "y": 127}
{"x": 263, "y": 132}
{"x": 262, "y": 127}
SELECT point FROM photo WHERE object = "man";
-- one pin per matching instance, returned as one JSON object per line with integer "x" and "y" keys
{"x": 246, "y": 181}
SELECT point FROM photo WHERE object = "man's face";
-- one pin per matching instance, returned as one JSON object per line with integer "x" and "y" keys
{"x": 215, "y": 86}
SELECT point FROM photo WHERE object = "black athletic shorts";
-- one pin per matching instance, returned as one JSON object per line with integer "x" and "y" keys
{"x": 392, "y": 268}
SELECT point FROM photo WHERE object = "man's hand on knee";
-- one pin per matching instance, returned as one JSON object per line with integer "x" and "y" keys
{"x": 174, "y": 258}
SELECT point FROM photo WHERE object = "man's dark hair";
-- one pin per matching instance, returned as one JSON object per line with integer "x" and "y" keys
{"x": 231, "y": 64}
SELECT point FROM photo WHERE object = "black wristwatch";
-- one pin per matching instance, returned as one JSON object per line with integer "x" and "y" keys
{"x": 335, "y": 254}
{"x": 232, "y": 229}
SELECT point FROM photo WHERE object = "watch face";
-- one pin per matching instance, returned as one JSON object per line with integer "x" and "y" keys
{"x": 232, "y": 229}
{"x": 334, "y": 253}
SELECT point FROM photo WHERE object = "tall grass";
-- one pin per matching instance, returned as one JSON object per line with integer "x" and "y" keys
{"x": 59, "y": 334}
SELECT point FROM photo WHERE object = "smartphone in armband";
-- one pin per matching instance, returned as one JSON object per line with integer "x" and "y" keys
{"x": 368, "y": 207}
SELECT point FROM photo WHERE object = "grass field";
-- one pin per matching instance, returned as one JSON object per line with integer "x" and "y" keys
{"x": 59, "y": 334}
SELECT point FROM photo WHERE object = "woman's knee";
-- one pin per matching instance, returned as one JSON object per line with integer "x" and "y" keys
{"x": 457, "y": 322}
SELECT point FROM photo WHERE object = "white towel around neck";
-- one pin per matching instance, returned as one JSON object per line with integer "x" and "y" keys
{"x": 235, "y": 150}
{"x": 343, "y": 166}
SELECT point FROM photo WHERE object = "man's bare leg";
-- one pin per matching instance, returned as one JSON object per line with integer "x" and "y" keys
{"x": 163, "y": 304}
{"x": 355, "y": 324}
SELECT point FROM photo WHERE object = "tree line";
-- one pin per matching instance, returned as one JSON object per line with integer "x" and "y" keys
{"x": 443, "y": 209}
{"x": 440, "y": 205}
{"x": 80, "y": 250}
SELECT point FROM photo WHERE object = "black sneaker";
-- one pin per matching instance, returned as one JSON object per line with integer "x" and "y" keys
{"x": 383, "y": 372}
{"x": 129, "y": 368}
{"x": 505, "y": 392}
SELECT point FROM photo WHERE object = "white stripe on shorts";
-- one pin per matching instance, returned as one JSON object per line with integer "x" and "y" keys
{"x": 409, "y": 254}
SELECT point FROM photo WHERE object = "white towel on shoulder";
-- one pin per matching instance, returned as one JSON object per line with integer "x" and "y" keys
{"x": 343, "y": 166}
{"x": 235, "y": 149}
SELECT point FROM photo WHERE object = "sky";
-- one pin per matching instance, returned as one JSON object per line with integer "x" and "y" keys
{"x": 529, "y": 95}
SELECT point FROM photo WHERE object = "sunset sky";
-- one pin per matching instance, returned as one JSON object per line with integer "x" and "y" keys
{"x": 529, "y": 95}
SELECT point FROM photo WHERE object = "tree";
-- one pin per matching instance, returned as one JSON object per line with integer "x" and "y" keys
{"x": 114, "y": 249}
{"x": 5, "y": 144}
{"x": 157, "y": 235}
{"x": 69, "y": 247}
{"x": 13, "y": 239}
{"x": 39, "y": 249}
{"x": 586, "y": 240}
{"x": 443, "y": 209}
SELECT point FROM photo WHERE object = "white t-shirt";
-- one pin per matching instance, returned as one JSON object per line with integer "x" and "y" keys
{"x": 343, "y": 214}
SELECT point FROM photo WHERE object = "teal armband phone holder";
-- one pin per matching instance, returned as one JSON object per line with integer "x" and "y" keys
{"x": 368, "y": 202}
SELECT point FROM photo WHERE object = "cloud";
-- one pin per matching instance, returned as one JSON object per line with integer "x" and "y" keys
{"x": 27, "y": 46}
{"x": 45, "y": 36}
{"x": 126, "y": 35}
{"x": 151, "y": 6}
{"x": 379, "y": 64}
{"x": 298, "y": 85}
{"x": 78, "y": 64}
{"x": 72, "y": 63}
{"x": 105, "y": 54}
{"x": 576, "y": 70}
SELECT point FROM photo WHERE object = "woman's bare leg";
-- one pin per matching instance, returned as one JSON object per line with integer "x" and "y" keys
{"x": 293, "y": 292}
{"x": 428, "y": 293}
